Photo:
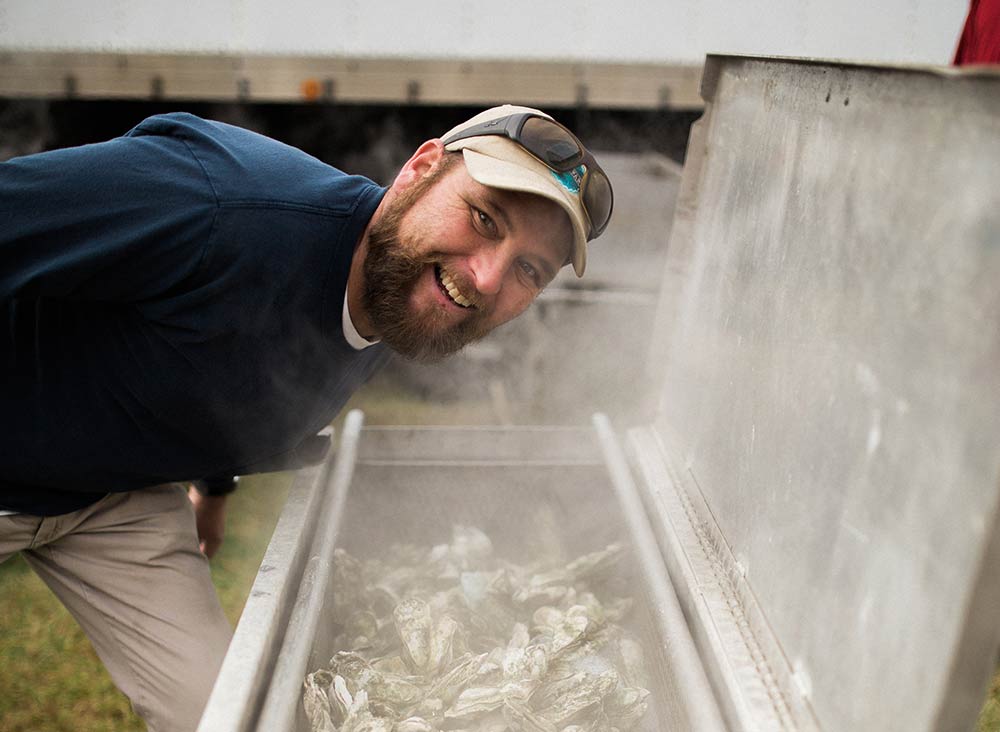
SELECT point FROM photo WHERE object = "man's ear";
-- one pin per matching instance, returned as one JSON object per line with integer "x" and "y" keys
{"x": 420, "y": 164}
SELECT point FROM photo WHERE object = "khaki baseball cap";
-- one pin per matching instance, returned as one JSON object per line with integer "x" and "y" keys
{"x": 499, "y": 162}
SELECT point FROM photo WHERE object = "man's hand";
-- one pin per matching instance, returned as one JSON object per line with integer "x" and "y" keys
{"x": 210, "y": 514}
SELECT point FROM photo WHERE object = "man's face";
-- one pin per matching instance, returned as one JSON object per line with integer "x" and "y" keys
{"x": 450, "y": 259}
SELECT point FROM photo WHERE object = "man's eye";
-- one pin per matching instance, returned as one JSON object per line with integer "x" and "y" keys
{"x": 531, "y": 272}
{"x": 483, "y": 221}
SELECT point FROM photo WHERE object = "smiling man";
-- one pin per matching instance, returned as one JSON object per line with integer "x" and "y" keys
{"x": 193, "y": 301}
{"x": 463, "y": 243}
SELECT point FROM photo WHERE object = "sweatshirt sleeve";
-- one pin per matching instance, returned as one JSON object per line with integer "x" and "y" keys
{"x": 119, "y": 221}
{"x": 220, "y": 485}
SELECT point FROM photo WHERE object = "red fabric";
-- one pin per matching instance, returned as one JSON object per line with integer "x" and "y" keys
{"x": 980, "y": 40}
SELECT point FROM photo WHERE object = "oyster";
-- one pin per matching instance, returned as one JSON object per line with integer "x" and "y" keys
{"x": 522, "y": 718}
{"x": 413, "y": 724}
{"x": 413, "y": 623}
{"x": 315, "y": 702}
{"x": 340, "y": 698}
{"x": 523, "y": 659}
{"x": 474, "y": 703}
{"x": 626, "y": 706}
{"x": 464, "y": 672}
{"x": 564, "y": 699}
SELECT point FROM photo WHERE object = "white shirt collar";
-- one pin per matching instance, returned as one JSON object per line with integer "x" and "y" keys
{"x": 354, "y": 339}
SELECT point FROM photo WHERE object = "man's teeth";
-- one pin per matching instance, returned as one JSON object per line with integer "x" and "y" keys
{"x": 453, "y": 291}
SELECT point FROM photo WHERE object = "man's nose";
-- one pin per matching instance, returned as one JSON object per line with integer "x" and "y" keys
{"x": 489, "y": 268}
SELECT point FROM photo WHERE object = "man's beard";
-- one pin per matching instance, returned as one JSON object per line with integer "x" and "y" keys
{"x": 392, "y": 270}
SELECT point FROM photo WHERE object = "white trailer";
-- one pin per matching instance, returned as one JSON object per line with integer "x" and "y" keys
{"x": 637, "y": 55}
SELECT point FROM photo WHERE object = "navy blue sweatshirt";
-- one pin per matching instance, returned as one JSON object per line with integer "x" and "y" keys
{"x": 170, "y": 309}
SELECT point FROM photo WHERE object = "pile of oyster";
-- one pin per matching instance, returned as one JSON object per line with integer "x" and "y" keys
{"x": 455, "y": 638}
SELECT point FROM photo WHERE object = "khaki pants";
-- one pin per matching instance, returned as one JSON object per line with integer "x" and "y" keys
{"x": 129, "y": 570}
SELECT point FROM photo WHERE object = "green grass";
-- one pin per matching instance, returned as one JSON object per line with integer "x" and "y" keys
{"x": 50, "y": 677}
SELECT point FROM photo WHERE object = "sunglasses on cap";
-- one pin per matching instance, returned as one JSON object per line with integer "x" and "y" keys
{"x": 558, "y": 149}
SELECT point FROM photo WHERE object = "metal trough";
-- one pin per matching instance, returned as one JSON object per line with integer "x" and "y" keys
{"x": 536, "y": 491}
